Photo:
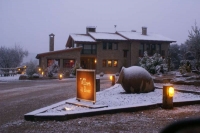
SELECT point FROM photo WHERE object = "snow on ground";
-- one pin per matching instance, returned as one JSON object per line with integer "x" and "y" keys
{"x": 115, "y": 96}
{"x": 10, "y": 78}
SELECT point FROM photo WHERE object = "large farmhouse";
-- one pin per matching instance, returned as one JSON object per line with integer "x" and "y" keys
{"x": 103, "y": 51}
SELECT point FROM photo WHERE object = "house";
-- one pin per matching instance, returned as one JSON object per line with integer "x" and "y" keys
{"x": 103, "y": 51}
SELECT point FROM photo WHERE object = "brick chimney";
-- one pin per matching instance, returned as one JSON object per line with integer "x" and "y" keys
{"x": 51, "y": 42}
{"x": 90, "y": 29}
{"x": 144, "y": 30}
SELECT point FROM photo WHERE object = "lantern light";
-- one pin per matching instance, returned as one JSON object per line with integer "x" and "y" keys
{"x": 95, "y": 61}
{"x": 171, "y": 91}
{"x": 168, "y": 93}
{"x": 110, "y": 77}
{"x": 66, "y": 108}
{"x": 60, "y": 76}
{"x": 42, "y": 73}
{"x": 39, "y": 69}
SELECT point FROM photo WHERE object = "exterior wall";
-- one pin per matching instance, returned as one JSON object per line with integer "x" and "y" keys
{"x": 134, "y": 52}
{"x": 75, "y": 54}
{"x": 112, "y": 55}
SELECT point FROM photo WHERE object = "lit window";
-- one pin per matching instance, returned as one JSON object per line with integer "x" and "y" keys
{"x": 68, "y": 63}
{"x": 104, "y": 63}
{"x": 109, "y": 63}
{"x": 115, "y": 63}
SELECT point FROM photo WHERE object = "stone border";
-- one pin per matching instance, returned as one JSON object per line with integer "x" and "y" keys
{"x": 39, "y": 115}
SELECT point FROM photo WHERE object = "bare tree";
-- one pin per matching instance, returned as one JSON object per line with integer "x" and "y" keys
{"x": 12, "y": 57}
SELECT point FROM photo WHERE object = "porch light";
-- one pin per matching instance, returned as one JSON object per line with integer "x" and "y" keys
{"x": 168, "y": 93}
{"x": 110, "y": 77}
{"x": 42, "y": 73}
{"x": 39, "y": 69}
{"x": 95, "y": 61}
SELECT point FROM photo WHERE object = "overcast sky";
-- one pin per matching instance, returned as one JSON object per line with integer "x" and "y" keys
{"x": 29, "y": 22}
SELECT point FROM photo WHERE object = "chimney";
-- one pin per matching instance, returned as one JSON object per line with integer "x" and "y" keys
{"x": 144, "y": 30}
{"x": 51, "y": 42}
{"x": 90, "y": 29}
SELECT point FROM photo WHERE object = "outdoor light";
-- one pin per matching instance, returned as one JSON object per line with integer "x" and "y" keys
{"x": 42, "y": 73}
{"x": 39, "y": 69}
{"x": 168, "y": 93}
{"x": 95, "y": 61}
{"x": 67, "y": 108}
{"x": 60, "y": 76}
{"x": 18, "y": 69}
{"x": 112, "y": 78}
{"x": 171, "y": 91}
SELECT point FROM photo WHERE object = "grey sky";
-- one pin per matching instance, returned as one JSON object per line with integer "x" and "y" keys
{"x": 29, "y": 22}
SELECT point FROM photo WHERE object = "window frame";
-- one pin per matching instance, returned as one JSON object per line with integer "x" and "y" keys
{"x": 114, "y": 63}
{"x": 104, "y": 63}
{"x": 109, "y": 64}
{"x": 70, "y": 66}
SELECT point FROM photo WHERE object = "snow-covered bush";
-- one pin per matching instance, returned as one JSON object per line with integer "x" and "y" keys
{"x": 153, "y": 64}
{"x": 76, "y": 66}
{"x": 185, "y": 67}
{"x": 53, "y": 69}
{"x": 31, "y": 68}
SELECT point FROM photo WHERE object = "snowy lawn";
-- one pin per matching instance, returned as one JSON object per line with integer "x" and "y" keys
{"x": 115, "y": 96}
{"x": 10, "y": 78}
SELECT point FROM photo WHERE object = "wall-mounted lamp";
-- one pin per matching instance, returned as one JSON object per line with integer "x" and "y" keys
{"x": 168, "y": 93}
{"x": 95, "y": 61}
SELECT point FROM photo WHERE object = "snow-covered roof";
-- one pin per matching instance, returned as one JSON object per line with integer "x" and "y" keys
{"x": 138, "y": 36}
{"x": 82, "y": 38}
{"x": 106, "y": 36}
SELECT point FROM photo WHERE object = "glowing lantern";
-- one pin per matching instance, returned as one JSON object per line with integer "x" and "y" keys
{"x": 171, "y": 91}
{"x": 39, "y": 69}
{"x": 112, "y": 78}
{"x": 67, "y": 108}
{"x": 60, "y": 76}
{"x": 168, "y": 93}
{"x": 42, "y": 73}
{"x": 95, "y": 61}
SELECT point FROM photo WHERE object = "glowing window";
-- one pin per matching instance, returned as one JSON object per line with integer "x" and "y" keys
{"x": 115, "y": 63}
{"x": 68, "y": 63}
{"x": 109, "y": 63}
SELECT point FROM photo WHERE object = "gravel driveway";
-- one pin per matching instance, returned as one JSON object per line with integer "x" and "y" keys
{"x": 20, "y": 97}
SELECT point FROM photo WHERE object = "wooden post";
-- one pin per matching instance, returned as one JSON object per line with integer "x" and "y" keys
{"x": 113, "y": 79}
{"x": 97, "y": 84}
{"x": 167, "y": 100}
